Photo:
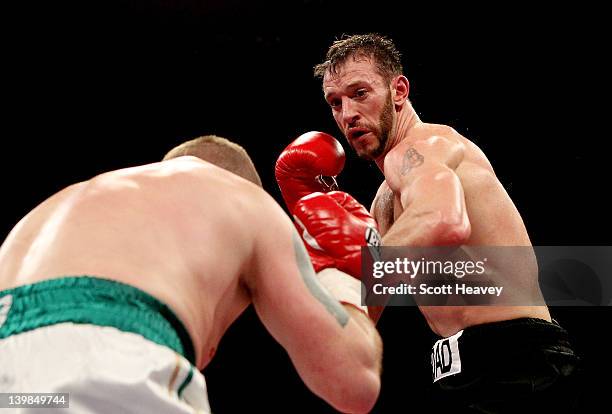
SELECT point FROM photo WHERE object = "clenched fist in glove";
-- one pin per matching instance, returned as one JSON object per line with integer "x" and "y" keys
{"x": 335, "y": 227}
{"x": 309, "y": 164}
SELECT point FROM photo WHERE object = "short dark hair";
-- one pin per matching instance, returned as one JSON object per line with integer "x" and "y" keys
{"x": 221, "y": 152}
{"x": 372, "y": 45}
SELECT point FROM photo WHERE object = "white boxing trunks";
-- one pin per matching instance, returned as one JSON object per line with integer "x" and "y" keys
{"x": 111, "y": 347}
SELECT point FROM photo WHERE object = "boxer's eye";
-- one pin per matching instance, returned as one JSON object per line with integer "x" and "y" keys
{"x": 361, "y": 93}
{"x": 335, "y": 103}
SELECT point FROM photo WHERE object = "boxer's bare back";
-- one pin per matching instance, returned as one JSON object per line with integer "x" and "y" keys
{"x": 174, "y": 230}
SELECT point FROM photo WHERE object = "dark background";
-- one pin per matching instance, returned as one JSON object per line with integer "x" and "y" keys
{"x": 92, "y": 88}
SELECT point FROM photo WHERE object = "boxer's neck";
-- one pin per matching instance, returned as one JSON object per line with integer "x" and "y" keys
{"x": 406, "y": 119}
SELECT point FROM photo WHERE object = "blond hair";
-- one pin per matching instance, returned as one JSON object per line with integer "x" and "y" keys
{"x": 221, "y": 152}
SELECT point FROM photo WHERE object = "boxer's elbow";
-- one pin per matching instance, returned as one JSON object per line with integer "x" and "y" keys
{"x": 369, "y": 393}
{"x": 360, "y": 394}
{"x": 354, "y": 388}
{"x": 449, "y": 229}
{"x": 364, "y": 377}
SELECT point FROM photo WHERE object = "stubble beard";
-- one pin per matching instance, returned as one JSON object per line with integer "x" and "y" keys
{"x": 383, "y": 131}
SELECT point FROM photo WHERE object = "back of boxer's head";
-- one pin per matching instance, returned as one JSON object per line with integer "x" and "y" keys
{"x": 380, "y": 49}
{"x": 221, "y": 152}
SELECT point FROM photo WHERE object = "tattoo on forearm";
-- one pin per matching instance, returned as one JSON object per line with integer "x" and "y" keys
{"x": 312, "y": 283}
{"x": 412, "y": 159}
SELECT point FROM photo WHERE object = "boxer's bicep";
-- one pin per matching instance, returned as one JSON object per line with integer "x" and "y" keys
{"x": 430, "y": 194}
{"x": 434, "y": 188}
{"x": 425, "y": 167}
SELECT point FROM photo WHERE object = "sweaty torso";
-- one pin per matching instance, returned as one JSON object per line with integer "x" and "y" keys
{"x": 494, "y": 221}
{"x": 174, "y": 230}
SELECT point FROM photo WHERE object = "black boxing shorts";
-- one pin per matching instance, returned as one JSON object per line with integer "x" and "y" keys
{"x": 517, "y": 366}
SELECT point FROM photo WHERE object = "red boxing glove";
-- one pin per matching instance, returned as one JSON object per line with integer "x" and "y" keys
{"x": 335, "y": 227}
{"x": 309, "y": 164}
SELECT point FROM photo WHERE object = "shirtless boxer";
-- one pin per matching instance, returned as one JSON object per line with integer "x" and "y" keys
{"x": 114, "y": 289}
{"x": 440, "y": 190}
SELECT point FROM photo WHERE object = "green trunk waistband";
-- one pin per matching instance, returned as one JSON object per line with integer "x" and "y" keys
{"x": 91, "y": 300}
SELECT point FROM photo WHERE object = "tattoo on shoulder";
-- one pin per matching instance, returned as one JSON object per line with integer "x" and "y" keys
{"x": 310, "y": 278}
{"x": 412, "y": 159}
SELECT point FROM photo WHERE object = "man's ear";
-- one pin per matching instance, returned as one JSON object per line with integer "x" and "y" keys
{"x": 400, "y": 87}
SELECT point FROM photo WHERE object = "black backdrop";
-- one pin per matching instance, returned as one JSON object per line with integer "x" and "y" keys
{"x": 91, "y": 88}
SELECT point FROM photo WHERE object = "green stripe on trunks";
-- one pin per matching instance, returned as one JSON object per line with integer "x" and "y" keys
{"x": 186, "y": 381}
{"x": 102, "y": 302}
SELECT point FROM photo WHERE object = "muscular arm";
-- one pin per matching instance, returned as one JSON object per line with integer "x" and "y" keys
{"x": 431, "y": 195}
{"x": 335, "y": 349}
